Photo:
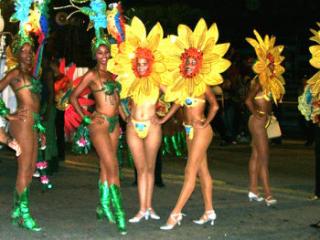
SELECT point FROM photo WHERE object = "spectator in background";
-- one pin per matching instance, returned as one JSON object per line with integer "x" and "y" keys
{"x": 232, "y": 102}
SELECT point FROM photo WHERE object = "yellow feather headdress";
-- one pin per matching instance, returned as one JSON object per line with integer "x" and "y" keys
{"x": 268, "y": 65}
{"x": 314, "y": 81}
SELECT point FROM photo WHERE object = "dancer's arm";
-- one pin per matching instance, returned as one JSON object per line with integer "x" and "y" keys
{"x": 86, "y": 80}
{"x": 213, "y": 107}
{"x": 6, "y": 80}
{"x": 254, "y": 89}
{"x": 20, "y": 114}
{"x": 173, "y": 109}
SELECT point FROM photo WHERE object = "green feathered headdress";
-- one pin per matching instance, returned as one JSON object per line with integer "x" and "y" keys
{"x": 21, "y": 15}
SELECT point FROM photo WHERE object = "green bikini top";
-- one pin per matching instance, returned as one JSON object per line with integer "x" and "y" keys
{"x": 35, "y": 86}
{"x": 110, "y": 87}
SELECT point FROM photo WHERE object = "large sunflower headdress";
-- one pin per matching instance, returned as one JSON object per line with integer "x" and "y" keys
{"x": 268, "y": 65}
{"x": 139, "y": 45}
{"x": 314, "y": 81}
{"x": 309, "y": 101}
{"x": 201, "y": 46}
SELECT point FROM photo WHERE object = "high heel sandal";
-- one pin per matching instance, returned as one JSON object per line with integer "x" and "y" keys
{"x": 176, "y": 217}
{"x": 254, "y": 197}
{"x": 152, "y": 214}
{"x": 270, "y": 201}
{"x": 208, "y": 216}
{"x": 139, "y": 217}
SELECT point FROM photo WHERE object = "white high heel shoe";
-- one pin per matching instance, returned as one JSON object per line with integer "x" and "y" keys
{"x": 208, "y": 216}
{"x": 176, "y": 217}
{"x": 139, "y": 217}
{"x": 152, "y": 214}
{"x": 254, "y": 197}
{"x": 270, "y": 201}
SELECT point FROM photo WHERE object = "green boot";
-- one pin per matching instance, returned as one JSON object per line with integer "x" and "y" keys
{"x": 177, "y": 148}
{"x": 166, "y": 141}
{"x": 26, "y": 221}
{"x": 15, "y": 213}
{"x": 117, "y": 206}
{"x": 103, "y": 208}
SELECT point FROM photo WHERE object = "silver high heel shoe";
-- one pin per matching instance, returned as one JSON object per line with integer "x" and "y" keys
{"x": 176, "y": 217}
{"x": 139, "y": 217}
{"x": 152, "y": 214}
{"x": 270, "y": 201}
{"x": 208, "y": 216}
{"x": 254, "y": 197}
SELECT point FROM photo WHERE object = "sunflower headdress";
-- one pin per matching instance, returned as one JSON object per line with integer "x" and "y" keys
{"x": 268, "y": 65}
{"x": 309, "y": 101}
{"x": 314, "y": 81}
{"x": 139, "y": 45}
{"x": 200, "y": 45}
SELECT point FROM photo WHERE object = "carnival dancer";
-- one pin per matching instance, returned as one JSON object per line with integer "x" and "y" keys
{"x": 309, "y": 106}
{"x": 139, "y": 67}
{"x": 195, "y": 62}
{"x": 265, "y": 87}
{"x": 27, "y": 90}
{"x": 103, "y": 123}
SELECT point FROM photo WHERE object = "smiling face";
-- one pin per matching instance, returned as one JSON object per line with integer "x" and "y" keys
{"x": 190, "y": 66}
{"x": 102, "y": 54}
{"x": 142, "y": 66}
{"x": 26, "y": 54}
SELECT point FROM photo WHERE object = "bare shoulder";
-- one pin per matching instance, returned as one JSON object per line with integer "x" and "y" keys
{"x": 90, "y": 75}
{"x": 12, "y": 74}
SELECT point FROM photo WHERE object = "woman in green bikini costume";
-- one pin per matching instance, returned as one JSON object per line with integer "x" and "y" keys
{"x": 104, "y": 131}
{"x": 266, "y": 87}
{"x": 27, "y": 90}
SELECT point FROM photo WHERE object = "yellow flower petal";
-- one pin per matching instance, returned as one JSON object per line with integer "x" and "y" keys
{"x": 221, "y": 49}
{"x": 184, "y": 33}
{"x": 138, "y": 28}
{"x": 154, "y": 37}
{"x": 220, "y": 65}
{"x": 159, "y": 67}
{"x": 200, "y": 33}
{"x": 213, "y": 32}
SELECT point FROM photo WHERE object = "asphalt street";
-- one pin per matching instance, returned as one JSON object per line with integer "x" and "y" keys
{"x": 68, "y": 210}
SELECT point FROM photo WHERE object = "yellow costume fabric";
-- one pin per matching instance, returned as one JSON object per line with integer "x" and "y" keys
{"x": 189, "y": 130}
{"x": 141, "y": 127}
